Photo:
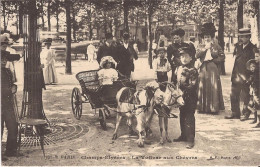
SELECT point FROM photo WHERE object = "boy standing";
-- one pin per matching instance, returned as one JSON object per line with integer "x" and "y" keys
{"x": 187, "y": 77}
{"x": 253, "y": 81}
{"x": 161, "y": 66}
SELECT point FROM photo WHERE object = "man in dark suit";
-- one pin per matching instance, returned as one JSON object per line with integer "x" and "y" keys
{"x": 173, "y": 54}
{"x": 126, "y": 56}
{"x": 107, "y": 49}
{"x": 245, "y": 51}
{"x": 7, "y": 102}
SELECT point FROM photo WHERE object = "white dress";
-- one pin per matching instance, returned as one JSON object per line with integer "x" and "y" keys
{"x": 107, "y": 76}
{"x": 49, "y": 71}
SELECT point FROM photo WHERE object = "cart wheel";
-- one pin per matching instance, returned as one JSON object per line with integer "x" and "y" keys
{"x": 102, "y": 119}
{"x": 76, "y": 103}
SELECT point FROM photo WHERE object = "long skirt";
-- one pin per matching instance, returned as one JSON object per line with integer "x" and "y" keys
{"x": 210, "y": 98}
{"x": 50, "y": 75}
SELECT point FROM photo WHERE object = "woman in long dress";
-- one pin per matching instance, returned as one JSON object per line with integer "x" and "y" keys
{"x": 209, "y": 55}
{"x": 48, "y": 59}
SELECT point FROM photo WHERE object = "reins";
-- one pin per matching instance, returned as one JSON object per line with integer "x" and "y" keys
{"x": 172, "y": 96}
{"x": 144, "y": 107}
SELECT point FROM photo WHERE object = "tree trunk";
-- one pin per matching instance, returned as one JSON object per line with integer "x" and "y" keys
{"x": 68, "y": 42}
{"x": 105, "y": 22}
{"x": 173, "y": 22}
{"x": 145, "y": 36}
{"x": 221, "y": 33}
{"x": 136, "y": 26}
{"x": 114, "y": 27}
{"x": 49, "y": 15}
{"x": 17, "y": 27}
{"x": 89, "y": 12}
{"x": 98, "y": 36}
{"x": 74, "y": 23}
{"x": 240, "y": 12}
{"x": 90, "y": 30}
{"x": 149, "y": 21}
{"x": 221, "y": 24}
{"x": 4, "y": 14}
{"x": 110, "y": 25}
{"x": 256, "y": 5}
{"x": 126, "y": 11}
{"x": 42, "y": 16}
{"x": 21, "y": 11}
{"x": 33, "y": 79}
{"x": 57, "y": 19}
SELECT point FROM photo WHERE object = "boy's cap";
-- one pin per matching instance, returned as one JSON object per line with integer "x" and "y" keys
{"x": 249, "y": 62}
{"x": 185, "y": 50}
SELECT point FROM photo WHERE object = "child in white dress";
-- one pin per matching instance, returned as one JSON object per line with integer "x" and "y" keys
{"x": 106, "y": 75}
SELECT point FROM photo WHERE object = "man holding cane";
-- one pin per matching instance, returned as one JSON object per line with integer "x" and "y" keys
{"x": 8, "y": 89}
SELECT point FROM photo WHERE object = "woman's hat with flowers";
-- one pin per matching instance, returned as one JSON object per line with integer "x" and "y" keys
{"x": 106, "y": 59}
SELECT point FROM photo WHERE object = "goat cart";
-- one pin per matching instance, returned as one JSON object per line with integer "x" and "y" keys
{"x": 100, "y": 97}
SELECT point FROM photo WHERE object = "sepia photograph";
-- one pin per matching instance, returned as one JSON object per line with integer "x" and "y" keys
{"x": 130, "y": 82}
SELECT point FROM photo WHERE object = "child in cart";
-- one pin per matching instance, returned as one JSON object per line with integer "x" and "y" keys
{"x": 107, "y": 74}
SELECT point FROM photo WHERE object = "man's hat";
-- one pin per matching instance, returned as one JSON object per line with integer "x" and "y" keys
{"x": 185, "y": 50}
{"x": 108, "y": 35}
{"x": 244, "y": 31}
{"x": 126, "y": 35}
{"x": 208, "y": 29}
{"x": 5, "y": 39}
{"x": 48, "y": 40}
{"x": 161, "y": 49}
{"x": 249, "y": 62}
{"x": 192, "y": 37}
{"x": 180, "y": 32}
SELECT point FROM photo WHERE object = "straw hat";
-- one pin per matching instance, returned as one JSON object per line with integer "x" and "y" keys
{"x": 244, "y": 31}
{"x": 106, "y": 59}
{"x": 161, "y": 49}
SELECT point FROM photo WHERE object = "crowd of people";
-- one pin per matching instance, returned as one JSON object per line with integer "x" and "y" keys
{"x": 195, "y": 70}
